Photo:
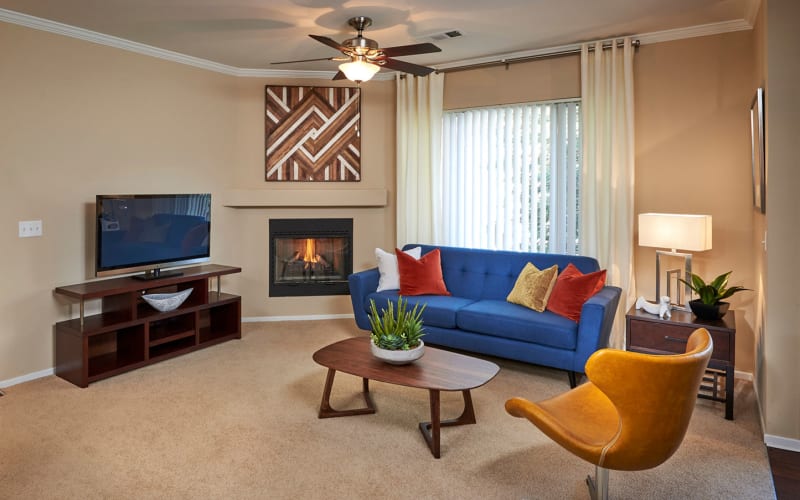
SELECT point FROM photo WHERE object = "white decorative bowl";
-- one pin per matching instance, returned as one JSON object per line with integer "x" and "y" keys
{"x": 397, "y": 357}
{"x": 167, "y": 301}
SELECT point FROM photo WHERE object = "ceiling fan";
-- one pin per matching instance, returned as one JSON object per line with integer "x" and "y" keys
{"x": 363, "y": 57}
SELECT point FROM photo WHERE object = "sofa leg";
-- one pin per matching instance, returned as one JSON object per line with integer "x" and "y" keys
{"x": 574, "y": 378}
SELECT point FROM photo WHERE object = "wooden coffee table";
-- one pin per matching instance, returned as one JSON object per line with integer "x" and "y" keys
{"x": 436, "y": 371}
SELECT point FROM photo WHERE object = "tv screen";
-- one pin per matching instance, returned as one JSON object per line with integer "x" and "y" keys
{"x": 151, "y": 231}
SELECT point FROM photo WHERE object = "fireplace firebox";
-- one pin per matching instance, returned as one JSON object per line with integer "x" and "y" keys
{"x": 310, "y": 257}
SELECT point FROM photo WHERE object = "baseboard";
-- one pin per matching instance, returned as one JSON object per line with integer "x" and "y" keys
{"x": 743, "y": 375}
{"x": 309, "y": 317}
{"x": 782, "y": 442}
{"x": 26, "y": 378}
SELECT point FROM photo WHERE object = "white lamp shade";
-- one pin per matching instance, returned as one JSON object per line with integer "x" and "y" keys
{"x": 359, "y": 71}
{"x": 676, "y": 231}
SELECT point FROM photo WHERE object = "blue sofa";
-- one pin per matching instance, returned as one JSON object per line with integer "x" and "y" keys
{"x": 477, "y": 318}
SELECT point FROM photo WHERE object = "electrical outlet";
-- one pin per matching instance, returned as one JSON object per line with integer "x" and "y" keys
{"x": 30, "y": 228}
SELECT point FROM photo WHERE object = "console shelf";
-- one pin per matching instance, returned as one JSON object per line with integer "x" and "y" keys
{"x": 128, "y": 333}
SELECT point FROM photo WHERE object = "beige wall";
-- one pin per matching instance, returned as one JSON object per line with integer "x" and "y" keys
{"x": 78, "y": 120}
{"x": 692, "y": 100}
{"x": 81, "y": 119}
{"x": 782, "y": 328}
{"x": 759, "y": 35}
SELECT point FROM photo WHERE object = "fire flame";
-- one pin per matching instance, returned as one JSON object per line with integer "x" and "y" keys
{"x": 310, "y": 254}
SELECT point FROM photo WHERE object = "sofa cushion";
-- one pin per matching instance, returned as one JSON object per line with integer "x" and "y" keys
{"x": 533, "y": 287}
{"x": 440, "y": 310}
{"x": 503, "y": 319}
{"x": 572, "y": 289}
{"x": 421, "y": 276}
{"x": 387, "y": 267}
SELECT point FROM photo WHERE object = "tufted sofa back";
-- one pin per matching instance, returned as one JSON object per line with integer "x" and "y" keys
{"x": 491, "y": 274}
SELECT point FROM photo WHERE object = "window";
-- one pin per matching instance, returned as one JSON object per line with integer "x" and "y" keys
{"x": 511, "y": 177}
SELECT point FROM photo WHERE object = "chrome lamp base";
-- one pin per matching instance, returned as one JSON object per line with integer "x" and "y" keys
{"x": 681, "y": 302}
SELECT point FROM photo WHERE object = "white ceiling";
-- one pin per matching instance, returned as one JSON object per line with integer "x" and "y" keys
{"x": 253, "y": 33}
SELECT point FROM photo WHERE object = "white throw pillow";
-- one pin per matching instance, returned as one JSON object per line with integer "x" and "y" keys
{"x": 387, "y": 266}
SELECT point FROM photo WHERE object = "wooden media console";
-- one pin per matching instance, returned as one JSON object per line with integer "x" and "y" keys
{"x": 128, "y": 333}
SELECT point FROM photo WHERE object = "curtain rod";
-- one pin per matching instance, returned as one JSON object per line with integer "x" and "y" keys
{"x": 506, "y": 62}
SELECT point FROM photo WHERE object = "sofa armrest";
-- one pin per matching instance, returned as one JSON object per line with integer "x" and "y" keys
{"x": 594, "y": 329}
{"x": 362, "y": 284}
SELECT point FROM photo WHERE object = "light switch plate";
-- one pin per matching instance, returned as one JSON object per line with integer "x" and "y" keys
{"x": 30, "y": 228}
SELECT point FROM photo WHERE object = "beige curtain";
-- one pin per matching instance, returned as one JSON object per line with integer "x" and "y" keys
{"x": 419, "y": 153}
{"x": 608, "y": 168}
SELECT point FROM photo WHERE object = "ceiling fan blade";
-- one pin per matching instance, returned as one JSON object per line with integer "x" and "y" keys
{"x": 410, "y": 50}
{"x": 407, "y": 67}
{"x": 306, "y": 60}
{"x": 328, "y": 41}
{"x": 339, "y": 76}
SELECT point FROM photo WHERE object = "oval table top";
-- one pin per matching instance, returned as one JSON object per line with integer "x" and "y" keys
{"x": 436, "y": 369}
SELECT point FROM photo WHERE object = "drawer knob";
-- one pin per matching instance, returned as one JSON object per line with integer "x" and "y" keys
{"x": 675, "y": 339}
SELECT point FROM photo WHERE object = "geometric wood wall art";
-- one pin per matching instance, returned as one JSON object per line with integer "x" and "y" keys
{"x": 313, "y": 133}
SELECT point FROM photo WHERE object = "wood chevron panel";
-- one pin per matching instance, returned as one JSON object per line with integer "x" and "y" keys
{"x": 312, "y": 133}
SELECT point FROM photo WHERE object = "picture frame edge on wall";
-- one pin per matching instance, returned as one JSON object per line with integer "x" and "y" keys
{"x": 758, "y": 151}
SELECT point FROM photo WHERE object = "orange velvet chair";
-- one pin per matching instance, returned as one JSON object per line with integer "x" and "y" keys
{"x": 631, "y": 415}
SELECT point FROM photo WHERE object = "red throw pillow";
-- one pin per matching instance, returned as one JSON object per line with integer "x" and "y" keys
{"x": 572, "y": 289}
{"x": 421, "y": 276}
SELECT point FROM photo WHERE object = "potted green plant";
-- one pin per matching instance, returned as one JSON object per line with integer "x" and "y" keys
{"x": 396, "y": 332}
{"x": 710, "y": 303}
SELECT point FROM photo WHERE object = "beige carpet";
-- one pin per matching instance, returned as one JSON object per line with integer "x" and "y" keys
{"x": 239, "y": 420}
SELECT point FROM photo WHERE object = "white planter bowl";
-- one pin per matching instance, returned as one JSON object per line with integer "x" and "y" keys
{"x": 167, "y": 301}
{"x": 397, "y": 357}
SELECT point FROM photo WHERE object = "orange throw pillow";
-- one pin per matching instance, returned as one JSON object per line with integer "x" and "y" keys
{"x": 421, "y": 276}
{"x": 572, "y": 289}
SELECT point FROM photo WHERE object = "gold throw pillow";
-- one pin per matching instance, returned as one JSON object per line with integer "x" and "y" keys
{"x": 533, "y": 287}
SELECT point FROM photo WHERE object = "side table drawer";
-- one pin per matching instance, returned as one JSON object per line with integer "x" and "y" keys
{"x": 671, "y": 338}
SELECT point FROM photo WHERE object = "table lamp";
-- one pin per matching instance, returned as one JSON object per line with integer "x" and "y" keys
{"x": 675, "y": 231}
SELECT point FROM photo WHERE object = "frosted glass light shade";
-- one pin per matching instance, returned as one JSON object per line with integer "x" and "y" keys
{"x": 359, "y": 71}
{"x": 676, "y": 231}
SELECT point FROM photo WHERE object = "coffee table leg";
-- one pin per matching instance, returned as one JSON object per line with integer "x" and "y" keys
{"x": 325, "y": 409}
{"x": 431, "y": 430}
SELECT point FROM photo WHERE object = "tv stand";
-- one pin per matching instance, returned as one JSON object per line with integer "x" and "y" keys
{"x": 156, "y": 274}
{"x": 128, "y": 333}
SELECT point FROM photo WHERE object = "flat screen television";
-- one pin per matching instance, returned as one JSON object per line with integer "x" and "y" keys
{"x": 148, "y": 232}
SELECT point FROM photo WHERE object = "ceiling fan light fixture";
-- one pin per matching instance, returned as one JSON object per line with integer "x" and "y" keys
{"x": 359, "y": 70}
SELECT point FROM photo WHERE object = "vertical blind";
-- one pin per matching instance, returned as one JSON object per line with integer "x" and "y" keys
{"x": 510, "y": 177}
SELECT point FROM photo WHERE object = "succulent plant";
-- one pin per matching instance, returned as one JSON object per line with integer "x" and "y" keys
{"x": 396, "y": 329}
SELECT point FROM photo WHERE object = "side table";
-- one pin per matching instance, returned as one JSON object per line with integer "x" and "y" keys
{"x": 649, "y": 334}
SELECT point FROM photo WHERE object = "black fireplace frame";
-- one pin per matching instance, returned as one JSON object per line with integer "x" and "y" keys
{"x": 305, "y": 228}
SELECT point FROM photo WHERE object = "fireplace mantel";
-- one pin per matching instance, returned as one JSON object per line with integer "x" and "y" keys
{"x": 255, "y": 198}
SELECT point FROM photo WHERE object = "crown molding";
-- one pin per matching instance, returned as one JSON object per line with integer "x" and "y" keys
{"x": 695, "y": 31}
{"x": 148, "y": 50}
{"x": 111, "y": 41}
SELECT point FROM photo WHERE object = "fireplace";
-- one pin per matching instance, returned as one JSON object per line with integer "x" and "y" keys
{"x": 310, "y": 257}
